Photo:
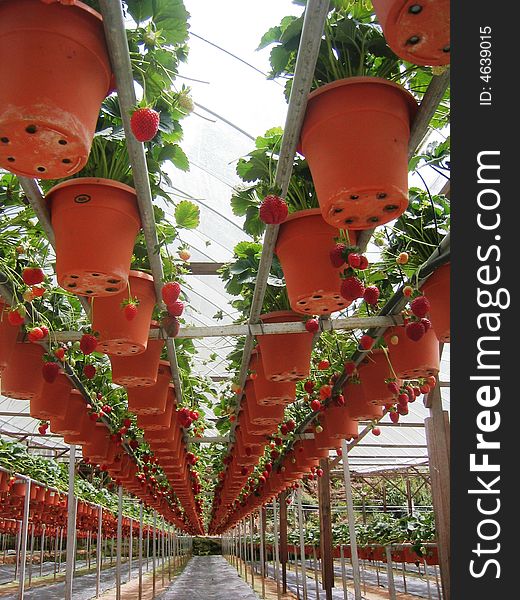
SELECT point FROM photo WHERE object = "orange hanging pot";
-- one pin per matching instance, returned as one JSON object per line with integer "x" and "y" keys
{"x": 338, "y": 424}
{"x": 118, "y": 335}
{"x": 8, "y": 336}
{"x": 285, "y": 356}
{"x": 22, "y": 379}
{"x": 95, "y": 224}
{"x": 412, "y": 359}
{"x": 357, "y": 405}
{"x": 418, "y": 31}
{"x": 270, "y": 414}
{"x": 137, "y": 370}
{"x": 355, "y": 138}
{"x": 437, "y": 290}
{"x": 70, "y": 423}
{"x": 56, "y": 72}
{"x": 52, "y": 400}
{"x": 151, "y": 399}
{"x": 162, "y": 421}
{"x": 268, "y": 392}
{"x": 373, "y": 371}
{"x": 306, "y": 239}
{"x": 83, "y": 427}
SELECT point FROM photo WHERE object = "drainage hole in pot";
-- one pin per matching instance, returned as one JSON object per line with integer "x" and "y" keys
{"x": 89, "y": 292}
{"x": 113, "y": 280}
{"x": 4, "y": 140}
{"x": 390, "y": 208}
{"x": 74, "y": 276}
{"x": 415, "y": 9}
{"x": 11, "y": 158}
{"x": 349, "y": 221}
{"x": 373, "y": 220}
{"x": 354, "y": 197}
{"x": 446, "y": 49}
{"x": 111, "y": 290}
{"x": 31, "y": 129}
{"x": 302, "y": 302}
{"x": 41, "y": 169}
{"x": 96, "y": 274}
{"x": 71, "y": 285}
{"x": 412, "y": 41}
{"x": 66, "y": 161}
{"x": 336, "y": 211}
{"x": 307, "y": 309}
{"x": 62, "y": 142}
{"x": 317, "y": 297}
{"x": 381, "y": 195}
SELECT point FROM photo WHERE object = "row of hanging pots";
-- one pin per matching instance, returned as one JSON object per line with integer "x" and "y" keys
{"x": 437, "y": 290}
{"x": 51, "y": 99}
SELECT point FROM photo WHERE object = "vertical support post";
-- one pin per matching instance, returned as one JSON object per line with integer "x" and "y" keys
{"x": 283, "y": 539}
{"x": 119, "y": 540}
{"x": 130, "y": 549}
{"x": 261, "y": 526}
{"x": 437, "y": 427}
{"x": 140, "y": 551}
{"x": 343, "y": 572}
{"x": 147, "y": 546}
{"x": 276, "y": 552}
{"x": 252, "y": 551}
{"x": 301, "y": 526}
{"x": 409, "y": 498}
{"x": 154, "y": 540}
{"x": 42, "y": 546}
{"x": 316, "y": 580}
{"x": 71, "y": 525}
{"x": 61, "y": 549}
{"x": 23, "y": 537}
{"x": 390, "y": 574}
{"x": 56, "y": 551}
{"x": 99, "y": 548}
{"x": 327, "y": 560}
{"x": 427, "y": 577}
{"x": 18, "y": 543}
{"x": 351, "y": 522}
{"x": 31, "y": 556}
{"x": 162, "y": 551}
{"x": 244, "y": 547}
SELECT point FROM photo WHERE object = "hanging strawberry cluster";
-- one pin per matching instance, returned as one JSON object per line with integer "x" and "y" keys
{"x": 352, "y": 284}
{"x": 416, "y": 323}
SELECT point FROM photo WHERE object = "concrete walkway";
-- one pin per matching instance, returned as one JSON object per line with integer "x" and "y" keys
{"x": 209, "y": 578}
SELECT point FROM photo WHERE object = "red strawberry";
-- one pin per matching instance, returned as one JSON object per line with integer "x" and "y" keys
{"x": 144, "y": 123}
{"x": 393, "y": 387}
{"x": 308, "y": 386}
{"x": 127, "y": 422}
{"x": 88, "y": 343}
{"x": 420, "y": 306}
{"x": 336, "y": 255}
{"x": 35, "y": 334}
{"x": 402, "y": 409}
{"x": 354, "y": 260}
{"x": 376, "y": 431}
{"x": 130, "y": 311}
{"x": 352, "y": 288}
{"x": 89, "y": 371}
{"x": 403, "y": 398}
{"x": 415, "y": 330}
{"x": 42, "y": 429}
{"x": 171, "y": 325}
{"x": 339, "y": 400}
{"x": 371, "y": 295}
{"x": 284, "y": 429}
{"x": 291, "y": 424}
{"x": 325, "y": 391}
{"x": 50, "y": 371}
{"x": 350, "y": 367}
{"x": 312, "y": 325}
{"x": 366, "y": 342}
{"x": 394, "y": 417}
{"x": 427, "y": 323}
{"x": 315, "y": 405}
{"x": 323, "y": 365}
{"x": 431, "y": 380}
{"x": 15, "y": 318}
{"x": 363, "y": 263}
{"x": 37, "y": 291}
{"x": 59, "y": 353}
{"x": 170, "y": 292}
{"x": 273, "y": 210}
{"x": 176, "y": 309}
{"x": 407, "y": 290}
{"x": 32, "y": 275}
{"x": 45, "y": 330}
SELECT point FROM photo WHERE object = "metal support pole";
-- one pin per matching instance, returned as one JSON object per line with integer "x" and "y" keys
{"x": 154, "y": 540}
{"x": 23, "y": 537}
{"x": 42, "y": 545}
{"x": 60, "y": 549}
{"x": 262, "y": 548}
{"x": 119, "y": 540}
{"x": 327, "y": 559}
{"x": 404, "y": 578}
{"x": 17, "y": 543}
{"x": 56, "y": 552}
{"x": 130, "y": 550}
{"x": 351, "y": 522}
{"x": 390, "y": 574}
{"x": 301, "y": 525}
{"x": 147, "y": 547}
{"x": 252, "y": 551}
{"x": 427, "y": 576}
{"x": 316, "y": 578}
{"x": 71, "y": 525}
{"x": 140, "y": 551}
{"x": 283, "y": 539}
{"x": 244, "y": 548}
{"x": 276, "y": 552}
{"x": 296, "y": 572}
{"x": 343, "y": 572}
{"x": 31, "y": 556}
{"x": 99, "y": 548}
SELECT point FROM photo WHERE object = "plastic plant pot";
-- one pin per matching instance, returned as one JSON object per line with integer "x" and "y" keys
{"x": 437, "y": 290}
{"x": 411, "y": 359}
{"x": 26, "y": 359}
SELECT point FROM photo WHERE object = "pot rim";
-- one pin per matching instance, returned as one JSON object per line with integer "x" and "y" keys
{"x": 79, "y": 181}
{"x": 141, "y": 275}
{"x": 279, "y": 313}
